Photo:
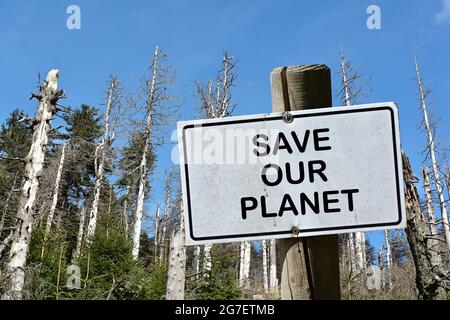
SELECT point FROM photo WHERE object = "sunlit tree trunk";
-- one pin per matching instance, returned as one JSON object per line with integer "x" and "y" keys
{"x": 48, "y": 97}
{"x": 433, "y": 241}
{"x": 80, "y": 233}
{"x": 51, "y": 213}
{"x": 432, "y": 151}
{"x": 273, "y": 280}
{"x": 100, "y": 152}
{"x": 177, "y": 262}
{"x": 143, "y": 166}
{"x": 264, "y": 266}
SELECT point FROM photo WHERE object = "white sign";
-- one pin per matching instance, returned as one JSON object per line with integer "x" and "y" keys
{"x": 305, "y": 173}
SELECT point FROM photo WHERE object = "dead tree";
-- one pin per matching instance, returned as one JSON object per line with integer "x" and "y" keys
{"x": 156, "y": 236}
{"x": 431, "y": 279}
{"x": 351, "y": 90}
{"x": 51, "y": 213}
{"x": 80, "y": 233}
{"x": 158, "y": 113}
{"x": 177, "y": 260}
{"x": 431, "y": 147}
{"x": 215, "y": 102}
{"x": 48, "y": 98}
{"x": 101, "y": 156}
{"x": 273, "y": 280}
{"x": 264, "y": 266}
{"x": 433, "y": 241}
{"x": 388, "y": 268}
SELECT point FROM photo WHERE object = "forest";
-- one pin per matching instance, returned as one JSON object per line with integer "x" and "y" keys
{"x": 75, "y": 182}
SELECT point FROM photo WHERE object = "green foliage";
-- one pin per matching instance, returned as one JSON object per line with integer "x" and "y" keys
{"x": 219, "y": 283}
{"x": 109, "y": 271}
{"x": 47, "y": 261}
{"x": 83, "y": 123}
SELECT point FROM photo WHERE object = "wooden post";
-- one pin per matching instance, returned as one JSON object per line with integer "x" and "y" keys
{"x": 310, "y": 265}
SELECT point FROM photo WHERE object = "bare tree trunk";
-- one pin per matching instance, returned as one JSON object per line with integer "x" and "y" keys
{"x": 177, "y": 262}
{"x": 388, "y": 259}
{"x": 432, "y": 150}
{"x": 352, "y": 253}
{"x": 125, "y": 210}
{"x": 51, "y": 213}
{"x": 80, "y": 233}
{"x": 359, "y": 251}
{"x": 100, "y": 170}
{"x": 168, "y": 192}
{"x": 241, "y": 264}
{"x": 381, "y": 268}
{"x": 264, "y": 266}
{"x": 206, "y": 259}
{"x": 273, "y": 281}
{"x": 433, "y": 241}
{"x": 48, "y": 97}
{"x": 155, "y": 238}
{"x": 196, "y": 262}
{"x": 431, "y": 279}
{"x": 244, "y": 268}
{"x": 358, "y": 238}
{"x": 143, "y": 166}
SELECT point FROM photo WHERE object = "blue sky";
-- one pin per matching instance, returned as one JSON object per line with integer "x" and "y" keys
{"x": 119, "y": 37}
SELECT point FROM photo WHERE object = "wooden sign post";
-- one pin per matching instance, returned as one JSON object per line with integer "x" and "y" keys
{"x": 310, "y": 265}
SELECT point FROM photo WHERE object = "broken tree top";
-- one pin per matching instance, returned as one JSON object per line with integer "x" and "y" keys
{"x": 332, "y": 170}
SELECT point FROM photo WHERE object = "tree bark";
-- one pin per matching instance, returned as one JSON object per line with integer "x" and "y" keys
{"x": 264, "y": 266}
{"x": 273, "y": 280}
{"x": 51, "y": 213}
{"x": 80, "y": 233}
{"x": 432, "y": 149}
{"x": 431, "y": 279}
{"x": 48, "y": 97}
{"x": 196, "y": 262}
{"x": 433, "y": 241}
{"x": 177, "y": 263}
{"x": 100, "y": 170}
{"x": 155, "y": 238}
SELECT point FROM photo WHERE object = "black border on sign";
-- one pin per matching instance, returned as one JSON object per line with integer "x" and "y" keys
{"x": 302, "y": 231}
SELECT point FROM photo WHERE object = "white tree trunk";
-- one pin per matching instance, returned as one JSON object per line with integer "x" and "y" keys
{"x": 125, "y": 210}
{"x": 358, "y": 237}
{"x": 177, "y": 263}
{"x": 432, "y": 244}
{"x": 143, "y": 166}
{"x": 244, "y": 268}
{"x": 100, "y": 170}
{"x": 34, "y": 164}
{"x": 352, "y": 253}
{"x": 51, "y": 213}
{"x": 196, "y": 262}
{"x": 432, "y": 150}
{"x": 248, "y": 252}
{"x": 80, "y": 233}
{"x": 207, "y": 259}
{"x": 264, "y": 266}
{"x": 155, "y": 238}
{"x": 381, "y": 268}
{"x": 241, "y": 264}
{"x": 273, "y": 281}
{"x": 162, "y": 245}
{"x": 359, "y": 250}
{"x": 388, "y": 268}
{"x": 364, "y": 252}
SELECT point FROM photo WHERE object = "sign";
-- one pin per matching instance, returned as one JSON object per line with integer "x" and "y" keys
{"x": 302, "y": 173}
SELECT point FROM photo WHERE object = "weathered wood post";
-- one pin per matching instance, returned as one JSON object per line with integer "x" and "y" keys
{"x": 310, "y": 265}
